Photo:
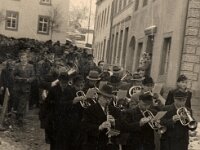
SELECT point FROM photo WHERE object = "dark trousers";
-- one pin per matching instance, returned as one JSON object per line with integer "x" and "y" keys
{"x": 173, "y": 144}
{"x": 22, "y": 99}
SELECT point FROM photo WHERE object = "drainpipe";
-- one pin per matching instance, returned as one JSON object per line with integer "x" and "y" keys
{"x": 184, "y": 32}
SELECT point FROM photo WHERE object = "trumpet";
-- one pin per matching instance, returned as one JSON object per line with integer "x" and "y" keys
{"x": 186, "y": 118}
{"x": 84, "y": 103}
{"x": 134, "y": 90}
{"x": 155, "y": 125}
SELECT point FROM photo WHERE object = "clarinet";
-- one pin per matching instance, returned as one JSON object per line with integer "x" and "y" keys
{"x": 109, "y": 129}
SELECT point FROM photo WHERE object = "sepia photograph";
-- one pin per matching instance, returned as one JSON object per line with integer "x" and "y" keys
{"x": 99, "y": 74}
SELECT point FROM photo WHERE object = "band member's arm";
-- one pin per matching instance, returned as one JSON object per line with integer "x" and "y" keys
{"x": 129, "y": 124}
{"x": 170, "y": 98}
{"x": 188, "y": 102}
{"x": 88, "y": 124}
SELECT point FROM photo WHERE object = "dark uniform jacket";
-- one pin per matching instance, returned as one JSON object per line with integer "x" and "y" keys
{"x": 170, "y": 98}
{"x": 141, "y": 137}
{"x": 62, "y": 118}
{"x": 176, "y": 137}
{"x": 93, "y": 117}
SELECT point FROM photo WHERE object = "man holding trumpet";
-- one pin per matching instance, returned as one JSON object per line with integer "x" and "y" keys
{"x": 137, "y": 124}
{"x": 178, "y": 121}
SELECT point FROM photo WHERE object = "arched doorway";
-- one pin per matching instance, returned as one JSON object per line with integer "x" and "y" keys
{"x": 130, "y": 56}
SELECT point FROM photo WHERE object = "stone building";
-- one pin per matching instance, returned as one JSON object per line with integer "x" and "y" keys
{"x": 168, "y": 29}
{"x": 112, "y": 29}
{"x": 38, "y": 19}
{"x": 102, "y": 28}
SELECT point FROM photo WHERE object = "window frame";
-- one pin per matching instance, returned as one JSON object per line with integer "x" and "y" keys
{"x": 162, "y": 69}
{"x": 48, "y": 28}
{"x": 43, "y": 2}
{"x": 16, "y": 20}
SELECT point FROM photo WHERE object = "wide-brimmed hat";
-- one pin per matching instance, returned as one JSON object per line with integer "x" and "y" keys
{"x": 146, "y": 97}
{"x": 137, "y": 77}
{"x": 114, "y": 80}
{"x": 106, "y": 90}
{"x": 93, "y": 75}
{"x": 117, "y": 69}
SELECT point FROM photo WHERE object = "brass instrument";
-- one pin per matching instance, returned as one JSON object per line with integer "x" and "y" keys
{"x": 134, "y": 90}
{"x": 186, "y": 118}
{"x": 111, "y": 132}
{"x": 84, "y": 103}
{"x": 155, "y": 125}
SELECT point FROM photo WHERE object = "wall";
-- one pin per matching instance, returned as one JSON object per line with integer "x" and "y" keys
{"x": 169, "y": 18}
{"x": 102, "y": 30}
{"x": 190, "y": 64}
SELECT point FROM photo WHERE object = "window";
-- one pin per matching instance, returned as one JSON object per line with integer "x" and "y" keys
{"x": 120, "y": 5}
{"x": 145, "y": 2}
{"x": 125, "y": 3}
{"x": 139, "y": 52}
{"x": 165, "y": 55}
{"x": 43, "y": 24}
{"x": 136, "y": 5}
{"x": 108, "y": 14}
{"x": 12, "y": 19}
{"x": 47, "y": 2}
{"x": 105, "y": 16}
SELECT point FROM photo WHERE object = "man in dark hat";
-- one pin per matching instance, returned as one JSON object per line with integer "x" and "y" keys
{"x": 98, "y": 119}
{"x": 182, "y": 86}
{"x": 135, "y": 90}
{"x": 177, "y": 136}
{"x": 92, "y": 80}
{"x": 136, "y": 123}
{"x": 64, "y": 113}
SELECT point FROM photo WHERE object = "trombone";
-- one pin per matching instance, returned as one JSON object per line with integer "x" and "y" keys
{"x": 186, "y": 118}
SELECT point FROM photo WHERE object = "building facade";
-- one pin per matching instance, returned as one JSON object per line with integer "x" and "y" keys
{"x": 168, "y": 29}
{"x": 37, "y": 19}
{"x": 102, "y": 27}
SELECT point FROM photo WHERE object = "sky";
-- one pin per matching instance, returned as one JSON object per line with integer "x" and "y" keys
{"x": 82, "y": 3}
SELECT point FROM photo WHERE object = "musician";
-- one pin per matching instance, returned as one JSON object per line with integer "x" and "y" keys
{"x": 176, "y": 137}
{"x": 181, "y": 85}
{"x": 136, "y": 92}
{"x": 7, "y": 81}
{"x": 100, "y": 66}
{"x": 92, "y": 80}
{"x": 23, "y": 75}
{"x": 141, "y": 134}
{"x": 63, "y": 118}
{"x": 96, "y": 122}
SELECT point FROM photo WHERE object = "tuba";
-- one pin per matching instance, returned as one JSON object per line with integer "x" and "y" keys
{"x": 155, "y": 125}
{"x": 186, "y": 118}
{"x": 134, "y": 90}
{"x": 84, "y": 103}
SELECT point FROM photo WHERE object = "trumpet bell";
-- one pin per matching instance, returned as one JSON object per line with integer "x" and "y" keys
{"x": 192, "y": 124}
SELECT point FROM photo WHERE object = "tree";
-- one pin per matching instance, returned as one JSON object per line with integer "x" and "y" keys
{"x": 77, "y": 15}
{"x": 55, "y": 21}
{"x": 2, "y": 17}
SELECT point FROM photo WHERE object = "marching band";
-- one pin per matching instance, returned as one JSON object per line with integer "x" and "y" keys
{"x": 99, "y": 108}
